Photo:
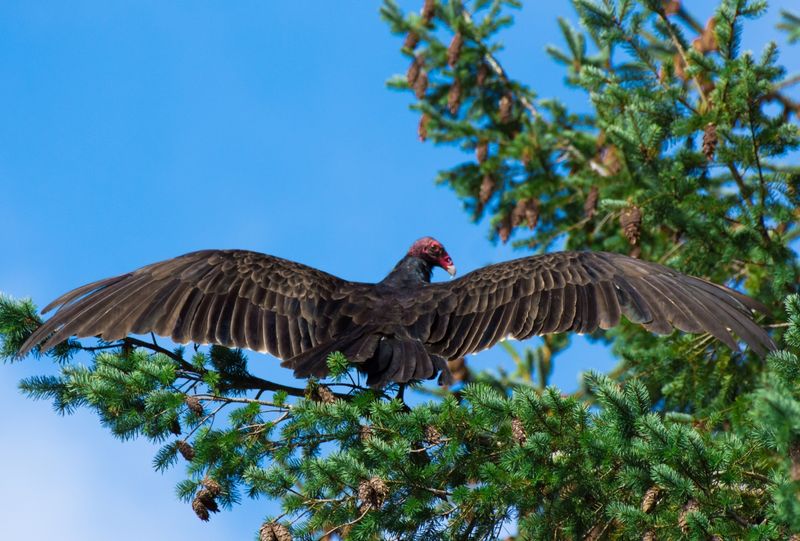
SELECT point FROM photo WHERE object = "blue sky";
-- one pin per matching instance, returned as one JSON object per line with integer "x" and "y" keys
{"x": 137, "y": 131}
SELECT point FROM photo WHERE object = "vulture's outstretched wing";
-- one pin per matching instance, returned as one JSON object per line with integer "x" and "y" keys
{"x": 580, "y": 291}
{"x": 245, "y": 299}
{"x": 235, "y": 298}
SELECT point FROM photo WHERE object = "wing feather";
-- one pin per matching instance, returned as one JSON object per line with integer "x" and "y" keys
{"x": 235, "y": 298}
{"x": 582, "y": 291}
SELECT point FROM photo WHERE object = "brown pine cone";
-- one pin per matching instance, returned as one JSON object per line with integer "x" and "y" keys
{"x": 590, "y": 205}
{"x": 454, "y": 50}
{"x": 372, "y": 493}
{"x": 185, "y": 449}
{"x": 200, "y": 510}
{"x": 526, "y": 210}
{"x": 631, "y": 222}
{"x": 518, "y": 431}
{"x": 710, "y": 141}
{"x": 274, "y": 531}
{"x": 482, "y": 151}
{"x": 650, "y": 498}
{"x": 428, "y": 11}
{"x": 504, "y": 107}
{"x": 454, "y": 97}
{"x": 194, "y": 405}
{"x": 487, "y": 188}
{"x": 421, "y": 84}
{"x": 411, "y": 42}
{"x": 422, "y": 129}
{"x": 214, "y": 488}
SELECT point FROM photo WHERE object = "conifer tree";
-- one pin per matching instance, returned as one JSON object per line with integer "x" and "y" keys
{"x": 686, "y": 159}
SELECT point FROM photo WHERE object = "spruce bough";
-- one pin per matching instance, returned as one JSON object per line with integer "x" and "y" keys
{"x": 464, "y": 466}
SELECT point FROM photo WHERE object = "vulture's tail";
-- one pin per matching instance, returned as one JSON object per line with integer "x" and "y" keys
{"x": 384, "y": 358}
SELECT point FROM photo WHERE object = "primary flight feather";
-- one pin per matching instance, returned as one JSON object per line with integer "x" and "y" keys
{"x": 404, "y": 327}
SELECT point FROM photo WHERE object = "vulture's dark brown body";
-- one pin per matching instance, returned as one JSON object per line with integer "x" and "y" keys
{"x": 402, "y": 328}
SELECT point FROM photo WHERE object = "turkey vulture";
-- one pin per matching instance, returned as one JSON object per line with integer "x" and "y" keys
{"x": 404, "y": 327}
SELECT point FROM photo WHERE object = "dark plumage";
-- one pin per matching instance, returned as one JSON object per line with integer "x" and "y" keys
{"x": 404, "y": 327}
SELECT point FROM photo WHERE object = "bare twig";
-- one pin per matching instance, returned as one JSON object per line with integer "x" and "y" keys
{"x": 241, "y": 382}
{"x": 229, "y": 399}
{"x": 354, "y": 521}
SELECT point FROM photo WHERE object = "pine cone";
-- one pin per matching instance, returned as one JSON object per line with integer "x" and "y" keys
{"x": 175, "y": 427}
{"x": 411, "y": 42}
{"x": 414, "y": 70}
{"x": 486, "y": 189}
{"x": 319, "y": 393}
{"x": 504, "y": 228}
{"x": 200, "y": 510}
{"x": 590, "y": 205}
{"x": 526, "y": 210}
{"x": 631, "y": 222}
{"x": 326, "y": 396}
{"x": 454, "y": 50}
{"x": 421, "y": 84}
{"x": 690, "y": 507}
{"x": 422, "y": 129}
{"x": 610, "y": 159}
{"x": 204, "y": 495}
{"x": 185, "y": 449}
{"x": 650, "y": 498}
{"x": 532, "y": 213}
{"x": 481, "y": 151}
{"x": 706, "y": 42}
{"x": 365, "y": 432}
{"x": 213, "y": 488}
{"x": 518, "y": 214}
{"x": 565, "y": 491}
{"x": 518, "y": 431}
{"x": 274, "y": 531}
{"x": 504, "y": 108}
{"x": 671, "y": 7}
{"x": 458, "y": 367}
{"x": 710, "y": 141}
{"x": 649, "y": 535}
{"x": 454, "y": 97}
{"x": 194, "y": 405}
{"x": 432, "y": 435}
{"x": 483, "y": 72}
{"x": 428, "y": 11}
{"x": 372, "y": 493}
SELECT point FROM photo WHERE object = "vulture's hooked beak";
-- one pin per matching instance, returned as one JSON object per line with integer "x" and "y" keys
{"x": 446, "y": 262}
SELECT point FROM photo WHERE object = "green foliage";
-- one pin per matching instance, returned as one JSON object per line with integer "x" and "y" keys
{"x": 791, "y": 24}
{"x": 464, "y": 467}
{"x": 682, "y": 156}
{"x": 18, "y": 319}
{"x": 681, "y": 159}
{"x": 338, "y": 365}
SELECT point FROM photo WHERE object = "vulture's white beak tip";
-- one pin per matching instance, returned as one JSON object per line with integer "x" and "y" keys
{"x": 451, "y": 270}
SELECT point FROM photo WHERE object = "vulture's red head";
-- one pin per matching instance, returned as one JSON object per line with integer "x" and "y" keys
{"x": 432, "y": 251}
